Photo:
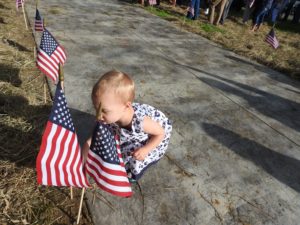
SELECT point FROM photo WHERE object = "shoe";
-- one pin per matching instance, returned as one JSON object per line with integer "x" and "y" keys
{"x": 206, "y": 12}
{"x": 131, "y": 180}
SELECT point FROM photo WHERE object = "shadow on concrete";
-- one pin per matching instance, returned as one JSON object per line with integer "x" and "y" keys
{"x": 283, "y": 110}
{"x": 272, "y": 74}
{"x": 281, "y": 167}
{"x": 84, "y": 124}
{"x": 10, "y": 74}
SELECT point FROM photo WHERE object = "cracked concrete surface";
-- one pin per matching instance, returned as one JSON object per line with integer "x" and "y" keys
{"x": 234, "y": 156}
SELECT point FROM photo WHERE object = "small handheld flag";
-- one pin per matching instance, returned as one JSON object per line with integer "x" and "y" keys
{"x": 38, "y": 22}
{"x": 50, "y": 55}
{"x": 59, "y": 162}
{"x": 271, "y": 39}
{"x": 105, "y": 164}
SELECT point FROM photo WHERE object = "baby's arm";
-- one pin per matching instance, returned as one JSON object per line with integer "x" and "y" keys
{"x": 157, "y": 134}
{"x": 85, "y": 149}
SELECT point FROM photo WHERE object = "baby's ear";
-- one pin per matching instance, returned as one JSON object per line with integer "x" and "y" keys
{"x": 128, "y": 104}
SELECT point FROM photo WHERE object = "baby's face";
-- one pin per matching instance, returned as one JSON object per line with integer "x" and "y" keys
{"x": 112, "y": 107}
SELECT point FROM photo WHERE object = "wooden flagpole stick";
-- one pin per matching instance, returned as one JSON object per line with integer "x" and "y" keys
{"x": 45, "y": 90}
{"x": 45, "y": 82}
{"x": 98, "y": 117}
{"x": 61, "y": 76}
{"x": 34, "y": 18}
{"x": 61, "y": 79}
{"x": 25, "y": 20}
{"x": 80, "y": 205}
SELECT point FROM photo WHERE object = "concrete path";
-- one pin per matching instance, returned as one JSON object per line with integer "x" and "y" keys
{"x": 234, "y": 156}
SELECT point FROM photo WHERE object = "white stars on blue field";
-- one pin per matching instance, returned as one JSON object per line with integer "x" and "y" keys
{"x": 104, "y": 144}
{"x": 48, "y": 43}
{"x": 60, "y": 113}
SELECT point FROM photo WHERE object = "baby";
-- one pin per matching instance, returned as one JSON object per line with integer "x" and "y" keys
{"x": 144, "y": 131}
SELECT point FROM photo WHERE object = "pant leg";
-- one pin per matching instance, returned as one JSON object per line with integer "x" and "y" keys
{"x": 191, "y": 5}
{"x": 226, "y": 10}
{"x": 246, "y": 13}
{"x": 249, "y": 11}
{"x": 296, "y": 17}
{"x": 274, "y": 14}
{"x": 288, "y": 9}
{"x": 260, "y": 16}
{"x": 197, "y": 9}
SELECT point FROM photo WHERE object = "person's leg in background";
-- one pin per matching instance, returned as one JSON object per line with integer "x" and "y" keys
{"x": 249, "y": 10}
{"x": 260, "y": 18}
{"x": 226, "y": 11}
{"x": 296, "y": 17}
{"x": 194, "y": 9}
{"x": 212, "y": 8}
{"x": 288, "y": 9}
{"x": 205, "y": 6}
{"x": 197, "y": 9}
{"x": 220, "y": 10}
{"x": 277, "y": 9}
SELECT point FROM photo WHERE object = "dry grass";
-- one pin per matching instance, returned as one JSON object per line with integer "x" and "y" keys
{"x": 23, "y": 115}
{"x": 236, "y": 36}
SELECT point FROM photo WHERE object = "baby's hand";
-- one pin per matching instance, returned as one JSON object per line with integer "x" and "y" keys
{"x": 140, "y": 154}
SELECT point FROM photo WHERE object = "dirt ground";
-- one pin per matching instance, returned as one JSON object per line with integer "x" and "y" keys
{"x": 23, "y": 115}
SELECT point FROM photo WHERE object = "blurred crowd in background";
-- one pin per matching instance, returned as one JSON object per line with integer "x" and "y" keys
{"x": 257, "y": 11}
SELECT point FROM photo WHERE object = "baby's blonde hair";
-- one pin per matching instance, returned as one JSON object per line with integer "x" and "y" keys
{"x": 119, "y": 82}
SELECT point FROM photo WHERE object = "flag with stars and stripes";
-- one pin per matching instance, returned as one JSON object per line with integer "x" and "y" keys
{"x": 50, "y": 55}
{"x": 59, "y": 162}
{"x": 105, "y": 164}
{"x": 38, "y": 21}
{"x": 19, "y": 4}
{"x": 271, "y": 39}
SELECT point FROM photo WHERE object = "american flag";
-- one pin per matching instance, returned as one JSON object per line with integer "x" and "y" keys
{"x": 50, "y": 55}
{"x": 38, "y": 22}
{"x": 105, "y": 164}
{"x": 59, "y": 162}
{"x": 271, "y": 39}
{"x": 19, "y": 3}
